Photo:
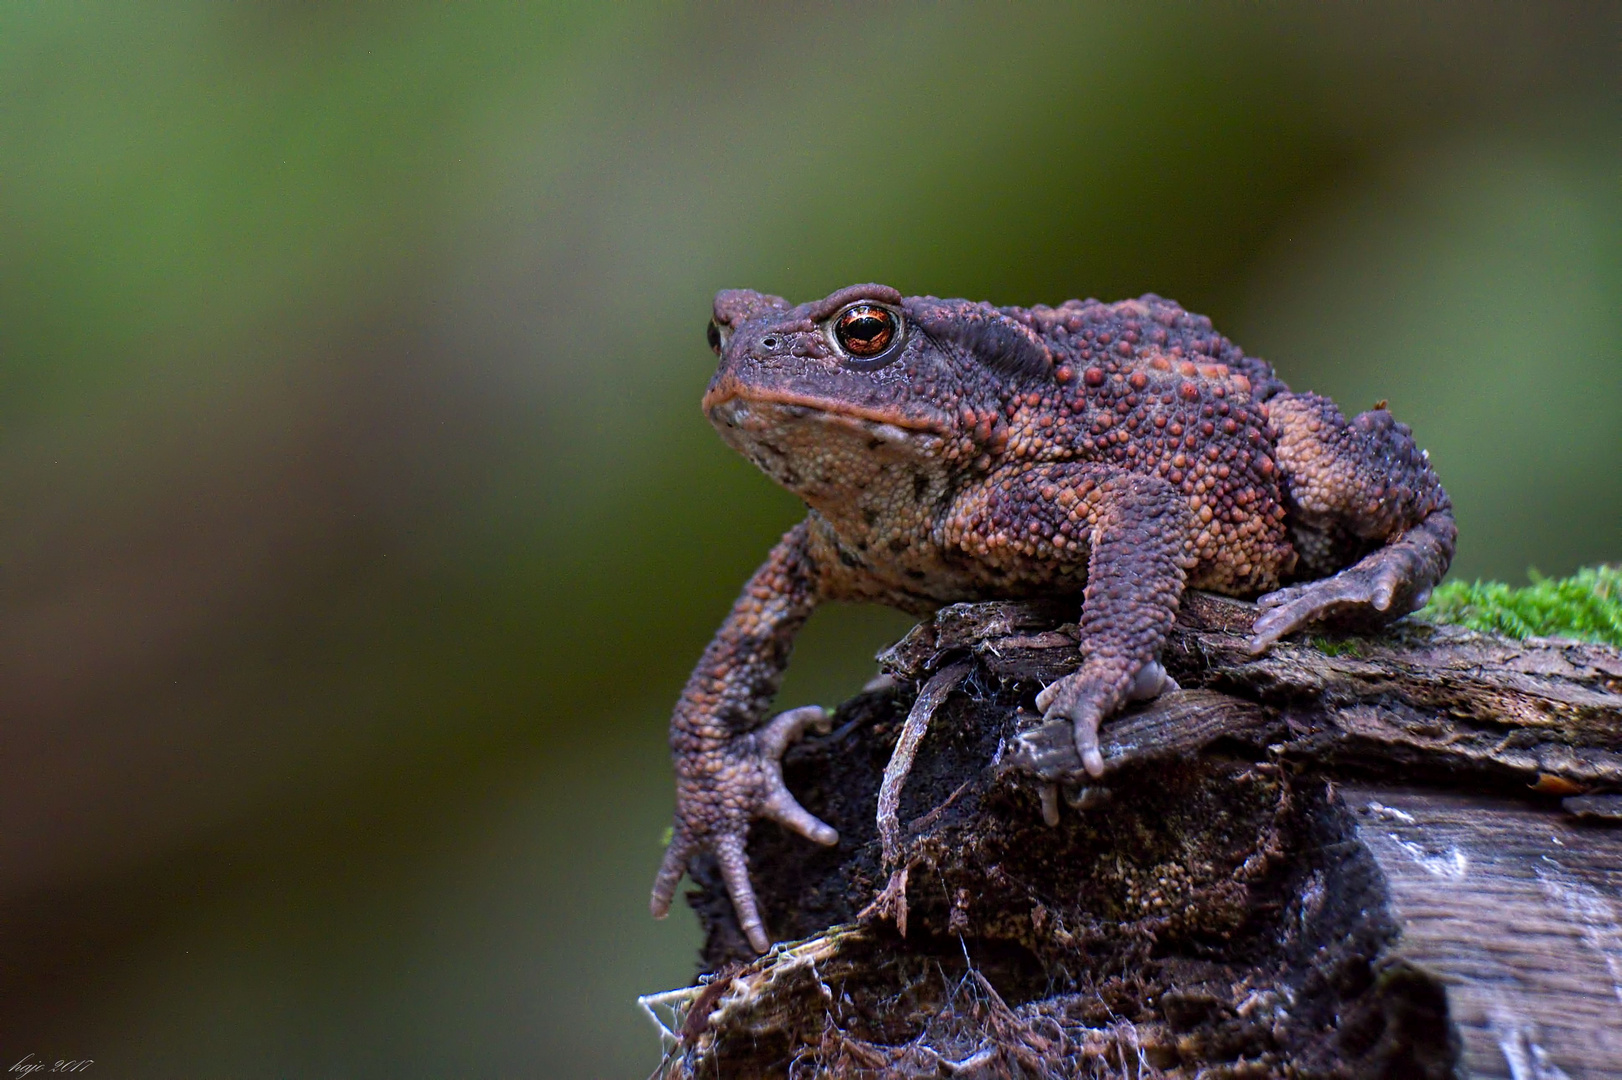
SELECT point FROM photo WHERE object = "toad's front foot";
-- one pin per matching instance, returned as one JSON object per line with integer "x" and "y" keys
{"x": 719, "y": 791}
{"x": 1085, "y": 698}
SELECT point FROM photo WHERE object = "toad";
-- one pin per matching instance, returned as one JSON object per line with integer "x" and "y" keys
{"x": 950, "y": 450}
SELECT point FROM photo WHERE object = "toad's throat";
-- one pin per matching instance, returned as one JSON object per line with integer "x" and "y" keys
{"x": 848, "y": 464}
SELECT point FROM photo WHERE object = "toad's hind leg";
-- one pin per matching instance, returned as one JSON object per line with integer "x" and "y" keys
{"x": 1363, "y": 480}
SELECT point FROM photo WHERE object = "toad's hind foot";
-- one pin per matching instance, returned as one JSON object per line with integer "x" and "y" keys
{"x": 1384, "y": 586}
{"x": 720, "y": 789}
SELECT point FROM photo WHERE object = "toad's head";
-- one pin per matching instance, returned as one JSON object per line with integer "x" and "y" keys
{"x": 824, "y": 396}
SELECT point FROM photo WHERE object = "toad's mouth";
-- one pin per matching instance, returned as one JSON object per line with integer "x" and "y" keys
{"x": 730, "y": 404}
{"x": 832, "y": 457}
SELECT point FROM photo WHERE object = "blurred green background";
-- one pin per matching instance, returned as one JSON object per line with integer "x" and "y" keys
{"x": 358, "y": 523}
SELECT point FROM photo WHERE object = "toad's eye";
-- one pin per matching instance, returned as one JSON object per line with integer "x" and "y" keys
{"x": 865, "y": 330}
{"x": 717, "y": 340}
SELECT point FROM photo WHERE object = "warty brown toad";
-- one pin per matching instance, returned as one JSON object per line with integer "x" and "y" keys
{"x": 950, "y": 450}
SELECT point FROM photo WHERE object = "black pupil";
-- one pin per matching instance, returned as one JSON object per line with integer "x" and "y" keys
{"x": 712, "y": 333}
{"x": 865, "y": 331}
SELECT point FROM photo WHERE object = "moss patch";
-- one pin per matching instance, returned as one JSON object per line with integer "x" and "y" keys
{"x": 1339, "y": 646}
{"x": 1587, "y": 605}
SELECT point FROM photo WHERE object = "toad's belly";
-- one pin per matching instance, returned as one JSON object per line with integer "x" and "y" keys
{"x": 922, "y": 576}
{"x": 920, "y": 573}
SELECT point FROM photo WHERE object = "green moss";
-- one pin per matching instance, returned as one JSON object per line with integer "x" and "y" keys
{"x": 1587, "y": 605}
{"x": 1338, "y": 646}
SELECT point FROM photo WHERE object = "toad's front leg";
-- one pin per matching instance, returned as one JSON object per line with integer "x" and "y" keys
{"x": 1136, "y": 534}
{"x": 727, "y": 763}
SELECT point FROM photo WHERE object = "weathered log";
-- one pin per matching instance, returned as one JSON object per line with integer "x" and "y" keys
{"x": 1375, "y": 855}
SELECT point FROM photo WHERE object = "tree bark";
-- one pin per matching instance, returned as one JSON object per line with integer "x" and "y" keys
{"x": 1354, "y": 856}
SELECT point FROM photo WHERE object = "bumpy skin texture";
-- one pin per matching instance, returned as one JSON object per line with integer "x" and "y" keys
{"x": 1121, "y": 451}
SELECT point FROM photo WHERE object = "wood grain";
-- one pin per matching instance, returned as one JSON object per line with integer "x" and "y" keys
{"x": 1520, "y": 914}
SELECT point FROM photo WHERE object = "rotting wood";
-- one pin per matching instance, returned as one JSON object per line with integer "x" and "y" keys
{"x": 1268, "y": 880}
{"x": 1519, "y": 912}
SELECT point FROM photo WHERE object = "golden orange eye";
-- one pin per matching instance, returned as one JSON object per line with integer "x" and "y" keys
{"x": 865, "y": 330}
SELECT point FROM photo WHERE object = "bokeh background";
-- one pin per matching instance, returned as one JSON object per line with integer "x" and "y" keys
{"x": 358, "y": 523}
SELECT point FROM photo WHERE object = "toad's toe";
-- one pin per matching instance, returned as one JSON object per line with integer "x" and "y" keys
{"x": 1083, "y": 703}
{"x": 1150, "y": 682}
{"x": 775, "y": 799}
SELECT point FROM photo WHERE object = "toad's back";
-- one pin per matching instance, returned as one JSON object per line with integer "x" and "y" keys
{"x": 1144, "y": 386}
